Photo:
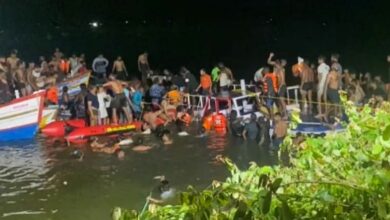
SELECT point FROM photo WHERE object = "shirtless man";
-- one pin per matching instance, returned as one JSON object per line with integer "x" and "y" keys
{"x": 54, "y": 64}
{"x": 119, "y": 68}
{"x": 13, "y": 61}
{"x": 280, "y": 132}
{"x": 21, "y": 80}
{"x": 307, "y": 83}
{"x": 58, "y": 54}
{"x": 280, "y": 71}
{"x": 150, "y": 117}
{"x": 120, "y": 99}
{"x": 31, "y": 80}
{"x": 143, "y": 66}
{"x": 102, "y": 148}
{"x": 322, "y": 70}
{"x": 337, "y": 67}
{"x": 332, "y": 86}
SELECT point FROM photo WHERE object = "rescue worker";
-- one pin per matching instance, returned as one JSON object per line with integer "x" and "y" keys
{"x": 270, "y": 89}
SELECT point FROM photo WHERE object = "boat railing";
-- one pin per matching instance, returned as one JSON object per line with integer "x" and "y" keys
{"x": 292, "y": 99}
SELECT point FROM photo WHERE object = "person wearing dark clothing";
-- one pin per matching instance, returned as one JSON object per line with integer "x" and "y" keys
{"x": 92, "y": 106}
{"x": 5, "y": 95}
{"x": 251, "y": 129}
{"x": 99, "y": 67}
{"x": 236, "y": 124}
{"x": 190, "y": 81}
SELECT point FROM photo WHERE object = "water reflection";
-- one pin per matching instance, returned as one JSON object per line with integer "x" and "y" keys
{"x": 41, "y": 180}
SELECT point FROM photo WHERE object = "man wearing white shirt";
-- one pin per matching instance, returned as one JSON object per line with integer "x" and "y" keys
{"x": 322, "y": 70}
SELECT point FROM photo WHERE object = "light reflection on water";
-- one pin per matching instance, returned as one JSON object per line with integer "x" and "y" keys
{"x": 40, "y": 180}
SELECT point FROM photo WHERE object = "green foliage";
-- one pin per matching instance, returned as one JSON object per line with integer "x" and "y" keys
{"x": 341, "y": 176}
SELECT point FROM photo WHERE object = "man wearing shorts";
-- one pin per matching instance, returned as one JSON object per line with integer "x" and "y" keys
{"x": 307, "y": 84}
{"x": 331, "y": 90}
{"x": 119, "y": 68}
{"x": 279, "y": 70}
{"x": 120, "y": 100}
{"x": 270, "y": 89}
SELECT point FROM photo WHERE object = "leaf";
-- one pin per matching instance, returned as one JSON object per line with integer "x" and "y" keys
{"x": 263, "y": 179}
{"x": 377, "y": 149}
{"x": 382, "y": 209}
{"x": 338, "y": 209}
{"x": 386, "y": 133}
{"x": 286, "y": 211}
{"x": 276, "y": 184}
{"x": 267, "y": 203}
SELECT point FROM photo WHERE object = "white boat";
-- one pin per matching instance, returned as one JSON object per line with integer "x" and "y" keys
{"x": 49, "y": 115}
{"x": 73, "y": 84}
{"x": 20, "y": 118}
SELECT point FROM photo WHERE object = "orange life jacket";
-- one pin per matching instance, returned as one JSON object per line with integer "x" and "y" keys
{"x": 207, "y": 122}
{"x": 64, "y": 66}
{"x": 274, "y": 79}
{"x": 52, "y": 94}
{"x": 220, "y": 123}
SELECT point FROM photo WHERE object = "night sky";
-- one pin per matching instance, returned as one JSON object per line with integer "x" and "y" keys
{"x": 200, "y": 33}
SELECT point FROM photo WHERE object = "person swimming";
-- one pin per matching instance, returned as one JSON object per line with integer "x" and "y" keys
{"x": 163, "y": 192}
{"x": 102, "y": 148}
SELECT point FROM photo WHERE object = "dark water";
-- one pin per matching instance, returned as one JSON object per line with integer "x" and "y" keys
{"x": 40, "y": 180}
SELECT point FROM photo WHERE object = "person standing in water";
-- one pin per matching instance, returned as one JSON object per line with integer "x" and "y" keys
{"x": 280, "y": 132}
{"x": 119, "y": 68}
{"x": 143, "y": 66}
{"x": 280, "y": 71}
{"x": 322, "y": 70}
{"x": 120, "y": 100}
{"x": 251, "y": 130}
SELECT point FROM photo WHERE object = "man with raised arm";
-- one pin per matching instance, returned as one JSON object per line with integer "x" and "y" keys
{"x": 120, "y": 100}
{"x": 280, "y": 72}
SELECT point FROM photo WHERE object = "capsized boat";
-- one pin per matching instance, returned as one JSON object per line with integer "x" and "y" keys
{"x": 20, "y": 118}
{"x": 60, "y": 128}
{"x": 73, "y": 84}
{"x": 317, "y": 128}
{"x": 49, "y": 115}
{"x": 80, "y": 135}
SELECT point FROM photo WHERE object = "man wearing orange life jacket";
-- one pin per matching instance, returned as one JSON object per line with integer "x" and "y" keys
{"x": 52, "y": 95}
{"x": 205, "y": 83}
{"x": 270, "y": 88}
{"x": 64, "y": 66}
{"x": 219, "y": 123}
{"x": 207, "y": 122}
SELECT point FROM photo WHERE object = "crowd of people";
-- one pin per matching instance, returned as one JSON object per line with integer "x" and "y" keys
{"x": 114, "y": 96}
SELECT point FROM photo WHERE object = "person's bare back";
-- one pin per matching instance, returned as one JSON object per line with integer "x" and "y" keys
{"x": 333, "y": 80}
{"x": 281, "y": 129}
{"x": 20, "y": 76}
{"x": 13, "y": 62}
{"x": 307, "y": 74}
{"x": 115, "y": 85}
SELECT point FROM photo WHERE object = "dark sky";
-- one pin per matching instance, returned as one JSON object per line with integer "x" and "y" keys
{"x": 200, "y": 33}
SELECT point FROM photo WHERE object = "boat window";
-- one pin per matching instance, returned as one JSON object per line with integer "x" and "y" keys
{"x": 247, "y": 105}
